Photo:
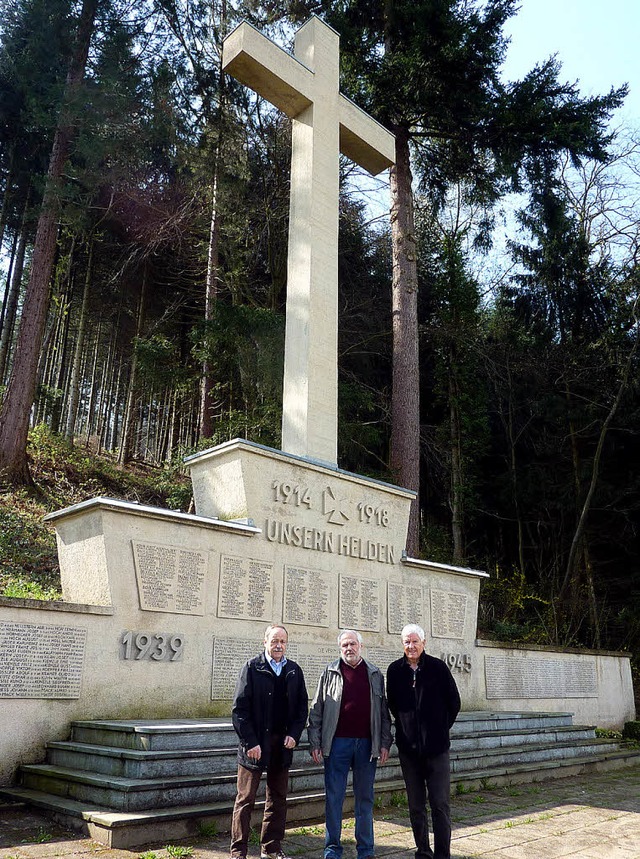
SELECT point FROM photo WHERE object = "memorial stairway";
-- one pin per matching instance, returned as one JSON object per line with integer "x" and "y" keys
{"x": 128, "y": 783}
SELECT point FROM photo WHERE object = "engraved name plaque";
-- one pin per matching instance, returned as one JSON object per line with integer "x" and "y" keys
{"x": 306, "y": 596}
{"x": 524, "y": 677}
{"x": 404, "y": 605}
{"x": 382, "y": 656}
{"x": 170, "y": 579}
{"x": 448, "y": 614}
{"x": 359, "y": 604}
{"x": 246, "y": 588}
{"x": 313, "y": 660}
{"x": 40, "y": 661}
{"x": 229, "y": 655}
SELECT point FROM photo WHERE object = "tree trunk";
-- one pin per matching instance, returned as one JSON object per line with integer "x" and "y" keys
{"x": 405, "y": 398}
{"x": 14, "y": 417}
{"x": 126, "y": 444}
{"x": 10, "y": 303}
{"x": 7, "y": 193}
{"x": 457, "y": 476}
{"x": 60, "y": 373}
{"x": 211, "y": 296}
{"x": 74, "y": 383}
{"x": 213, "y": 258}
{"x": 595, "y": 471}
{"x": 92, "y": 385}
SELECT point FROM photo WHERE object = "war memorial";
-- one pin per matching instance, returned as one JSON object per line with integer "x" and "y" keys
{"x": 161, "y": 608}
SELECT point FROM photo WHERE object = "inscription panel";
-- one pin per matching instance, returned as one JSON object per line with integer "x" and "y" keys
{"x": 448, "y": 614}
{"x": 229, "y": 655}
{"x": 524, "y": 677}
{"x": 41, "y": 661}
{"x": 404, "y": 605}
{"x": 306, "y": 596}
{"x": 313, "y": 660}
{"x": 382, "y": 656}
{"x": 246, "y": 588}
{"x": 170, "y": 579}
{"x": 359, "y": 604}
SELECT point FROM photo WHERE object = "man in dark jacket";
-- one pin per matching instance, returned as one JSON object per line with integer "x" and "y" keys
{"x": 269, "y": 713}
{"x": 424, "y": 701}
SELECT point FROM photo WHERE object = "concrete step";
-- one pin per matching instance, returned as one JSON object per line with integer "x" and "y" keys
{"x": 124, "y": 830}
{"x": 134, "y": 763}
{"x": 156, "y": 734}
{"x": 476, "y": 721}
{"x": 488, "y": 759}
{"x": 497, "y": 739}
{"x": 133, "y": 792}
{"x": 127, "y": 794}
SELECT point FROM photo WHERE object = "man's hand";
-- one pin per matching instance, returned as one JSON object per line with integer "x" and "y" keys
{"x": 255, "y": 753}
{"x": 384, "y": 756}
{"x": 289, "y": 743}
{"x": 316, "y": 754}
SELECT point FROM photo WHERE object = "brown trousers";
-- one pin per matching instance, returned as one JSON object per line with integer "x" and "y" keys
{"x": 275, "y": 808}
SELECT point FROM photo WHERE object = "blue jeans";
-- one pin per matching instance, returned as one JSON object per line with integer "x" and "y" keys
{"x": 346, "y": 754}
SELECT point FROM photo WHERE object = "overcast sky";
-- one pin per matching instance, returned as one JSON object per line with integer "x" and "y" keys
{"x": 598, "y": 44}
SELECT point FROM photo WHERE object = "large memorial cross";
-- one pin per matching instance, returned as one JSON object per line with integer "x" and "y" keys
{"x": 306, "y": 87}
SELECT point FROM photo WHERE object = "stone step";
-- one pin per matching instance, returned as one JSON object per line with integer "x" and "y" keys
{"x": 136, "y": 764}
{"x": 496, "y": 739}
{"x": 169, "y": 788}
{"x": 124, "y": 830}
{"x": 128, "y": 794}
{"x": 155, "y": 734}
{"x": 171, "y": 735}
{"x": 476, "y": 721}
{"x": 524, "y": 754}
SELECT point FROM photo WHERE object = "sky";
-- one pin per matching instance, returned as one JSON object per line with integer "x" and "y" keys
{"x": 597, "y": 42}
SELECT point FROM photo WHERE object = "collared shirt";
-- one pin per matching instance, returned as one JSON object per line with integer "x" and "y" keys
{"x": 276, "y": 666}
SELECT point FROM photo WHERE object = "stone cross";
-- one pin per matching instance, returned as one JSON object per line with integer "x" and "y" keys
{"x": 306, "y": 87}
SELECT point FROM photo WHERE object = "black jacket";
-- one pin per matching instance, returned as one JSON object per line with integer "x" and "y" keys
{"x": 252, "y": 712}
{"x": 423, "y": 714}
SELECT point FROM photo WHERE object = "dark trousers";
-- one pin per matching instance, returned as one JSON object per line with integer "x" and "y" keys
{"x": 275, "y": 808}
{"x": 429, "y": 778}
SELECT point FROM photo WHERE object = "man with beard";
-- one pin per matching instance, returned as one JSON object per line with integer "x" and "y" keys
{"x": 350, "y": 727}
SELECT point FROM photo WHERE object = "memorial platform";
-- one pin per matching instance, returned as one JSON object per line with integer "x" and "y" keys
{"x": 128, "y": 782}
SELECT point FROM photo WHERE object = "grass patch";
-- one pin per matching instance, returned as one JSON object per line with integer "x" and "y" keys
{"x": 64, "y": 475}
{"x": 177, "y": 851}
{"x": 210, "y": 829}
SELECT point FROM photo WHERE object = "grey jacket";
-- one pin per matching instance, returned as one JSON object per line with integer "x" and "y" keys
{"x": 325, "y": 710}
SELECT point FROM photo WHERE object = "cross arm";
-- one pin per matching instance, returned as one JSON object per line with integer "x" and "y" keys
{"x": 261, "y": 65}
{"x": 364, "y": 140}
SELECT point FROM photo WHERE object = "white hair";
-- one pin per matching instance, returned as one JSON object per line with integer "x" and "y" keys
{"x": 353, "y": 632}
{"x": 412, "y": 628}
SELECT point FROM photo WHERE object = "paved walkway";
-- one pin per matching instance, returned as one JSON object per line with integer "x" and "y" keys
{"x": 590, "y": 817}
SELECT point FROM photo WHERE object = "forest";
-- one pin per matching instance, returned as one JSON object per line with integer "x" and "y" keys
{"x": 488, "y": 329}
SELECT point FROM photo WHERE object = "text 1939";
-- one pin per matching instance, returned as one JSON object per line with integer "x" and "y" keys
{"x": 157, "y": 646}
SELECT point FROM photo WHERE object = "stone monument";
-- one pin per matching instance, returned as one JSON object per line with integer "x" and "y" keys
{"x": 161, "y": 608}
{"x": 324, "y": 123}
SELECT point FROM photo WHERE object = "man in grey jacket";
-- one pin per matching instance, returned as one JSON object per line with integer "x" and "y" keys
{"x": 350, "y": 727}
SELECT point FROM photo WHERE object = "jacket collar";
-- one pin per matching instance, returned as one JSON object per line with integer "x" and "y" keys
{"x": 335, "y": 667}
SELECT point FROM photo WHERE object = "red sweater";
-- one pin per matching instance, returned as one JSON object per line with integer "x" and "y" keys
{"x": 355, "y": 706}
